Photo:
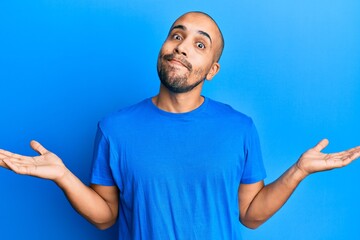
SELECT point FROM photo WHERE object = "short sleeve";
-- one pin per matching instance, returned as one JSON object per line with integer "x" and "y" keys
{"x": 101, "y": 171}
{"x": 254, "y": 169}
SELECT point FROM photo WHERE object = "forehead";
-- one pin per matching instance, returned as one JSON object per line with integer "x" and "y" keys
{"x": 196, "y": 22}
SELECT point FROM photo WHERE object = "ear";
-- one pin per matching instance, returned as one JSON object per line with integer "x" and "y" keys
{"x": 215, "y": 68}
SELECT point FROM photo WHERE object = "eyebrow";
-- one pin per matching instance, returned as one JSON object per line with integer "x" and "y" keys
{"x": 182, "y": 27}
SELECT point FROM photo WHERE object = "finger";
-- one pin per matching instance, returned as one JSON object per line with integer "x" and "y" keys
{"x": 17, "y": 169}
{"x": 354, "y": 154}
{"x": 23, "y": 160}
{"x": 3, "y": 164}
{"x": 321, "y": 145}
{"x": 38, "y": 147}
{"x": 2, "y": 154}
{"x": 7, "y": 164}
{"x": 7, "y": 154}
{"x": 344, "y": 154}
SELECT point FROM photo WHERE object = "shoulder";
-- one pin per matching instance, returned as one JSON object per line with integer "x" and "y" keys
{"x": 126, "y": 115}
{"x": 225, "y": 111}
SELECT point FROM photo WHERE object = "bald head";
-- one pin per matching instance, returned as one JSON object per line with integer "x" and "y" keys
{"x": 216, "y": 37}
{"x": 190, "y": 53}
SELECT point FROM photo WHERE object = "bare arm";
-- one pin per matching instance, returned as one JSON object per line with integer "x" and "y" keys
{"x": 98, "y": 204}
{"x": 257, "y": 202}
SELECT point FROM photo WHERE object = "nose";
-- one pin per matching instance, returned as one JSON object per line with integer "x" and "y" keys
{"x": 181, "y": 49}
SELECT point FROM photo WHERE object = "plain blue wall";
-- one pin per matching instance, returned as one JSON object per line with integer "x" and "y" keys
{"x": 294, "y": 66}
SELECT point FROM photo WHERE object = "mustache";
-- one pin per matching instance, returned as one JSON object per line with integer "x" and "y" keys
{"x": 171, "y": 56}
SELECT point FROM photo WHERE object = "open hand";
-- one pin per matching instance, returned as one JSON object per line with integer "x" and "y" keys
{"x": 313, "y": 160}
{"x": 47, "y": 165}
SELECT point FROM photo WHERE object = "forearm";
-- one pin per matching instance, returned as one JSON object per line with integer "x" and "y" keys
{"x": 98, "y": 204}
{"x": 256, "y": 206}
{"x": 86, "y": 201}
{"x": 272, "y": 197}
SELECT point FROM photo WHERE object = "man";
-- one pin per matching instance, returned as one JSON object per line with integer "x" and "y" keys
{"x": 178, "y": 165}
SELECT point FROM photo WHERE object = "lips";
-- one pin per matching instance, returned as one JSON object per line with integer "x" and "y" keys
{"x": 177, "y": 61}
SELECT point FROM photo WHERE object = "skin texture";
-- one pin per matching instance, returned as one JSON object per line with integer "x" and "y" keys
{"x": 187, "y": 58}
{"x": 188, "y": 44}
{"x": 257, "y": 203}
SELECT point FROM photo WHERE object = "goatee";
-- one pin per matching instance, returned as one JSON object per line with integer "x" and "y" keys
{"x": 176, "y": 83}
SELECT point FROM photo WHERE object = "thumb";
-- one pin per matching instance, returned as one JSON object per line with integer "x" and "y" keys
{"x": 38, "y": 147}
{"x": 321, "y": 145}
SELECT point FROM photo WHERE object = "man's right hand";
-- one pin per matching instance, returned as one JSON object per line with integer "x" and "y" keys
{"x": 98, "y": 204}
{"x": 47, "y": 165}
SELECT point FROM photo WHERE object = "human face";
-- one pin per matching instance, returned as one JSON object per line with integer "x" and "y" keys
{"x": 187, "y": 56}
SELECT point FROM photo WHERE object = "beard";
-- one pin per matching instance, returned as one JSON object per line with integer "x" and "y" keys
{"x": 176, "y": 82}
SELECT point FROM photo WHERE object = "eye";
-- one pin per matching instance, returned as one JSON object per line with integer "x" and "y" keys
{"x": 176, "y": 37}
{"x": 200, "y": 45}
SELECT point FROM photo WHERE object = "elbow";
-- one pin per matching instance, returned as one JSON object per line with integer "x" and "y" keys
{"x": 252, "y": 224}
{"x": 103, "y": 225}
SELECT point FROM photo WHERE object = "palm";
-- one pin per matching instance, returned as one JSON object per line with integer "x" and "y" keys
{"x": 314, "y": 160}
{"x": 46, "y": 165}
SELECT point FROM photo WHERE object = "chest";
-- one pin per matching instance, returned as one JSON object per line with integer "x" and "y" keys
{"x": 181, "y": 152}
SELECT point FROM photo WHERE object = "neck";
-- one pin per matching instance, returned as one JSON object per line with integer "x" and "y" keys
{"x": 178, "y": 102}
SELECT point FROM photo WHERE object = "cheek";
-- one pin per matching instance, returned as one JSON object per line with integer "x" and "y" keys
{"x": 160, "y": 56}
{"x": 199, "y": 73}
{"x": 200, "y": 68}
{"x": 166, "y": 48}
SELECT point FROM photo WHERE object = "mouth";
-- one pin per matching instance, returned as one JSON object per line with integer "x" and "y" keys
{"x": 178, "y": 62}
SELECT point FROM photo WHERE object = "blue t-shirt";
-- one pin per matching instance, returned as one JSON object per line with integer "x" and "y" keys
{"x": 178, "y": 173}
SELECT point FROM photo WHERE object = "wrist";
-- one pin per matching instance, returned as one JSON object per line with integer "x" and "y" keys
{"x": 299, "y": 172}
{"x": 63, "y": 177}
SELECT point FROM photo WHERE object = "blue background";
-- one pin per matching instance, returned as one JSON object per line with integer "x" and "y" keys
{"x": 294, "y": 66}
